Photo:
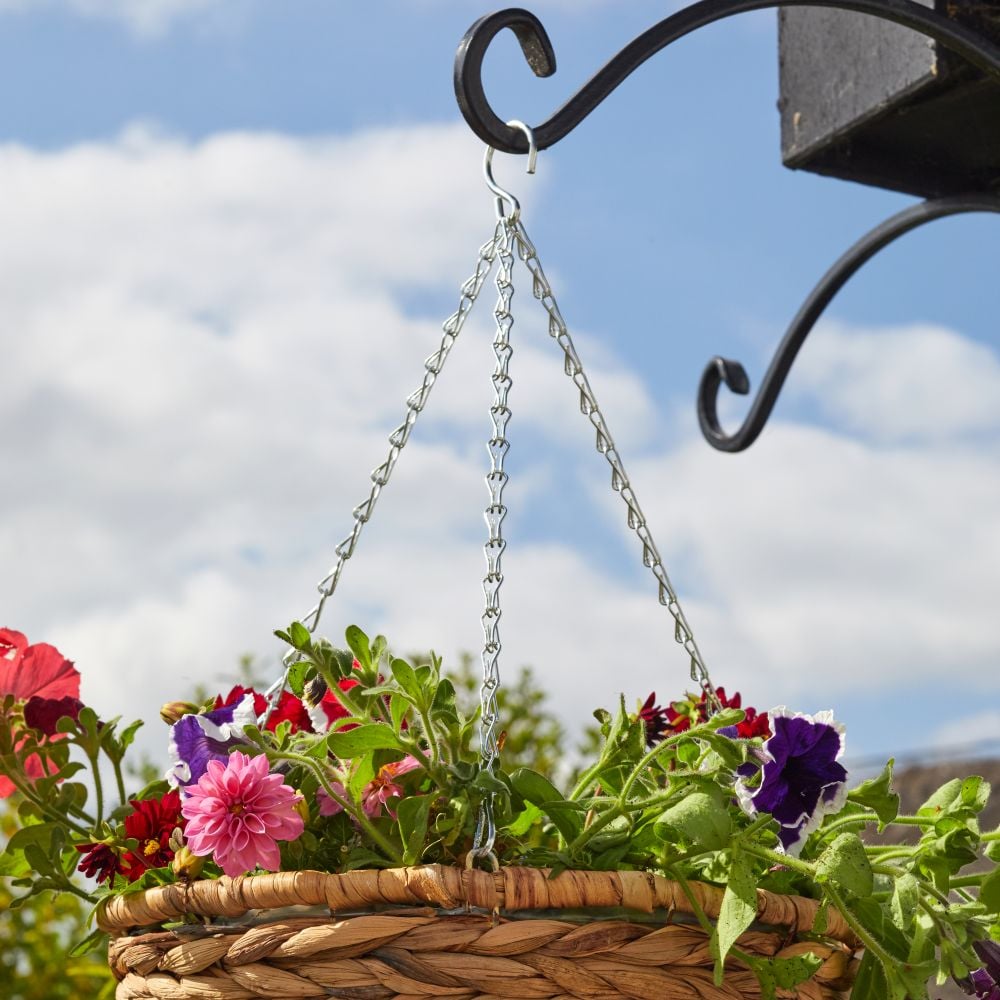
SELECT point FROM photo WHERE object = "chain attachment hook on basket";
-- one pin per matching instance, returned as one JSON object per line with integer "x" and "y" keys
{"x": 496, "y": 479}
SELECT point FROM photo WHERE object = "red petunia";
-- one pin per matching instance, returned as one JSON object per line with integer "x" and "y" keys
{"x": 27, "y": 671}
{"x": 151, "y": 822}
{"x": 289, "y": 708}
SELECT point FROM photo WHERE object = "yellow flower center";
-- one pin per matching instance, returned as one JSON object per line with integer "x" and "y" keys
{"x": 150, "y": 847}
{"x": 237, "y": 809}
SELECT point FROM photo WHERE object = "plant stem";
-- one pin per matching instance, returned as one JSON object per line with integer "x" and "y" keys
{"x": 431, "y": 735}
{"x": 57, "y": 817}
{"x": 119, "y": 781}
{"x": 776, "y": 858}
{"x": 863, "y": 819}
{"x": 860, "y": 931}
{"x": 98, "y": 787}
{"x": 660, "y": 747}
{"x": 351, "y": 808}
{"x": 586, "y": 780}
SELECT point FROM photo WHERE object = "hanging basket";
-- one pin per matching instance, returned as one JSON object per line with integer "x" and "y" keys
{"x": 439, "y": 931}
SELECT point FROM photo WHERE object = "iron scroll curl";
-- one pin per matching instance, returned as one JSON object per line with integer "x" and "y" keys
{"x": 540, "y": 55}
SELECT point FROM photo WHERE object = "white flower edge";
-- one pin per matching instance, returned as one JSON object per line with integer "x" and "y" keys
{"x": 813, "y": 822}
{"x": 179, "y": 774}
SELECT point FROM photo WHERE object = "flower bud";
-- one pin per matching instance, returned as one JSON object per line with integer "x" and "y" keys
{"x": 301, "y": 808}
{"x": 173, "y": 711}
{"x": 186, "y": 864}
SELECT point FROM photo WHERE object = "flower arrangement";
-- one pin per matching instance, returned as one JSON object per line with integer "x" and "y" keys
{"x": 366, "y": 761}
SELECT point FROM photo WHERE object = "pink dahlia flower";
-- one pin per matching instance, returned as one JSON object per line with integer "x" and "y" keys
{"x": 238, "y": 811}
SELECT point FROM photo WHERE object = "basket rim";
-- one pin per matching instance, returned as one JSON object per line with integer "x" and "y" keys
{"x": 510, "y": 890}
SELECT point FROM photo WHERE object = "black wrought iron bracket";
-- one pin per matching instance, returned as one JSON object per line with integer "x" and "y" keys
{"x": 538, "y": 52}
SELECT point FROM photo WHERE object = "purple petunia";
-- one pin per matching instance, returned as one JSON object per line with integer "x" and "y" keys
{"x": 802, "y": 779}
{"x": 197, "y": 739}
{"x": 984, "y": 984}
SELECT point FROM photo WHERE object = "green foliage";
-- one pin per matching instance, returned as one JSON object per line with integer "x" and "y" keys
{"x": 397, "y": 781}
{"x": 35, "y": 935}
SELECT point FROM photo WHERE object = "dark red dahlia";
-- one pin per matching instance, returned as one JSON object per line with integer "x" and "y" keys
{"x": 43, "y": 713}
{"x": 655, "y": 719}
{"x": 99, "y": 861}
{"x": 151, "y": 823}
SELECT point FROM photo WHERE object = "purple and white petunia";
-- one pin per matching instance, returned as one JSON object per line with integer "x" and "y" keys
{"x": 802, "y": 778}
{"x": 984, "y": 983}
{"x": 197, "y": 739}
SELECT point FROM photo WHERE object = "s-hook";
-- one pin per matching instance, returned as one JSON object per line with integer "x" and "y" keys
{"x": 538, "y": 52}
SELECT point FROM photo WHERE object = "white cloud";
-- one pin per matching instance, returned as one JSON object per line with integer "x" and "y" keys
{"x": 915, "y": 383}
{"x": 206, "y": 346}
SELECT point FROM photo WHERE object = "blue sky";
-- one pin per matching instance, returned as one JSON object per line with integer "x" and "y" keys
{"x": 231, "y": 232}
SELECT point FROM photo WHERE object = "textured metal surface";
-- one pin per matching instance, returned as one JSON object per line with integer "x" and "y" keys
{"x": 724, "y": 370}
{"x": 967, "y": 38}
{"x": 870, "y": 101}
{"x": 967, "y": 42}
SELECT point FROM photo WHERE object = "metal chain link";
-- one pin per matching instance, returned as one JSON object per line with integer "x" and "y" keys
{"x": 415, "y": 403}
{"x": 496, "y": 479}
{"x": 619, "y": 478}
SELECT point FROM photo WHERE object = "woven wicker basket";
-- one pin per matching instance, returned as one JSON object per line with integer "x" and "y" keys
{"x": 449, "y": 932}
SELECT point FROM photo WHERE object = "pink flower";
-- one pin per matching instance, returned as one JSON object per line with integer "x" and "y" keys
{"x": 327, "y": 805}
{"x": 236, "y": 813}
{"x": 382, "y": 787}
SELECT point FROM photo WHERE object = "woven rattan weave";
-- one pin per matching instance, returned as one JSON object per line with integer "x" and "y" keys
{"x": 454, "y": 933}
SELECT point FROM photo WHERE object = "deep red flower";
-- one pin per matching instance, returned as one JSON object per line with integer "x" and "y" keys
{"x": 151, "y": 822}
{"x": 43, "y": 713}
{"x": 656, "y": 720}
{"x": 679, "y": 716}
{"x": 99, "y": 861}
{"x": 289, "y": 708}
{"x": 753, "y": 725}
{"x": 33, "y": 670}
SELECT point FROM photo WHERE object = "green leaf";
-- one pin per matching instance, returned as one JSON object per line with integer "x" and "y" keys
{"x": 486, "y": 781}
{"x": 522, "y": 823}
{"x": 539, "y": 791}
{"x": 412, "y": 813}
{"x": 904, "y": 902}
{"x": 398, "y": 707}
{"x": 845, "y": 863}
{"x": 700, "y": 818}
{"x": 877, "y": 794}
{"x": 363, "y": 739}
{"x": 989, "y": 891}
{"x": 299, "y": 636}
{"x": 738, "y": 910}
{"x": 444, "y": 705}
{"x": 783, "y": 973}
{"x": 297, "y": 674}
{"x": 358, "y": 643}
{"x": 727, "y": 717}
{"x": 406, "y": 677}
{"x": 95, "y": 939}
{"x": 869, "y": 984}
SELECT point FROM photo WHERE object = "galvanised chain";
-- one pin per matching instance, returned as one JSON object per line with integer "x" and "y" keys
{"x": 619, "y": 478}
{"x": 397, "y": 441}
{"x": 496, "y": 479}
